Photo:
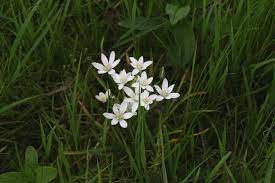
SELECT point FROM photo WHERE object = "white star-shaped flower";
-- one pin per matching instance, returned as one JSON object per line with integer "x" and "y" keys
{"x": 103, "y": 97}
{"x": 144, "y": 82}
{"x": 133, "y": 96}
{"x": 146, "y": 99}
{"x": 132, "y": 107}
{"x": 119, "y": 114}
{"x": 122, "y": 78}
{"x": 165, "y": 92}
{"x": 108, "y": 65}
{"x": 139, "y": 65}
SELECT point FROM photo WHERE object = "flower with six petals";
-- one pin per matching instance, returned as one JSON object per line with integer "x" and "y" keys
{"x": 108, "y": 65}
{"x": 146, "y": 99}
{"x": 103, "y": 97}
{"x": 144, "y": 82}
{"x": 119, "y": 114}
{"x": 165, "y": 92}
{"x": 122, "y": 78}
{"x": 139, "y": 65}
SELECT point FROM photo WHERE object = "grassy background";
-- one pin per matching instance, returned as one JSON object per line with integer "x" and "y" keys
{"x": 221, "y": 57}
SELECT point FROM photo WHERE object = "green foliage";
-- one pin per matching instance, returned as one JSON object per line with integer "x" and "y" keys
{"x": 176, "y": 13}
{"x": 182, "y": 48}
{"x": 32, "y": 172}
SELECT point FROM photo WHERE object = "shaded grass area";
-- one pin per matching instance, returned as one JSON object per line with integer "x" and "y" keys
{"x": 221, "y": 57}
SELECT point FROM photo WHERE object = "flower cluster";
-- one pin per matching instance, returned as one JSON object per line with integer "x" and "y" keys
{"x": 136, "y": 86}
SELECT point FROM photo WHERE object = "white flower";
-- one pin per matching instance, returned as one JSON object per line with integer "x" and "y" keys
{"x": 165, "y": 92}
{"x": 133, "y": 97}
{"x": 103, "y": 97}
{"x": 132, "y": 107}
{"x": 122, "y": 78}
{"x": 139, "y": 65}
{"x": 108, "y": 65}
{"x": 146, "y": 99}
{"x": 144, "y": 82}
{"x": 119, "y": 114}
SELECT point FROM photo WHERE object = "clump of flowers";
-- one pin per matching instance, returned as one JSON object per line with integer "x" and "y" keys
{"x": 136, "y": 86}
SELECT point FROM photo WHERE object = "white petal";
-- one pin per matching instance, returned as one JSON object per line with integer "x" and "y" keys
{"x": 134, "y": 61}
{"x": 115, "y": 108}
{"x": 101, "y": 98}
{"x": 115, "y": 77}
{"x": 98, "y": 97}
{"x": 123, "y": 107}
{"x": 158, "y": 89}
{"x": 165, "y": 84}
{"x": 134, "y": 107}
{"x": 114, "y": 121}
{"x": 149, "y": 88}
{"x": 98, "y": 66}
{"x": 130, "y": 100}
{"x": 104, "y": 59}
{"x": 146, "y": 64}
{"x": 109, "y": 115}
{"x": 147, "y": 107}
{"x": 112, "y": 57}
{"x": 143, "y": 75}
{"x": 133, "y": 65}
{"x": 153, "y": 97}
{"x": 128, "y": 91}
{"x": 170, "y": 88}
{"x": 101, "y": 72}
{"x": 111, "y": 72}
{"x": 127, "y": 115}
{"x": 159, "y": 98}
{"x": 120, "y": 86}
{"x": 168, "y": 97}
{"x": 135, "y": 71}
{"x": 143, "y": 87}
{"x": 108, "y": 93}
{"x": 137, "y": 90}
{"x": 123, "y": 123}
{"x": 136, "y": 84}
{"x": 150, "y": 80}
{"x": 130, "y": 78}
{"x": 115, "y": 63}
{"x": 144, "y": 94}
{"x": 123, "y": 73}
{"x": 174, "y": 95}
{"x": 140, "y": 60}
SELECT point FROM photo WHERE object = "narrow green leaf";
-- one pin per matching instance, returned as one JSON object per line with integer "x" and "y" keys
{"x": 215, "y": 170}
{"x": 31, "y": 158}
{"x": 269, "y": 170}
{"x": 7, "y": 107}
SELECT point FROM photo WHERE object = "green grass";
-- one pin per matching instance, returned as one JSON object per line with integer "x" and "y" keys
{"x": 221, "y": 57}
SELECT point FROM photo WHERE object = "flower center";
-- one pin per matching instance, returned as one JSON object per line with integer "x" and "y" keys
{"x": 165, "y": 93}
{"x": 146, "y": 100}
{"x": 139, "y": 66}
{"x": 104, "y": 98}
{"x": 143, "y": 82}
{"x": 119, "y": 116}
{"x": 108, "y": 67}
{"x": 123, "y": 79}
